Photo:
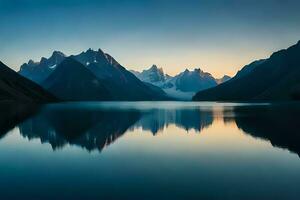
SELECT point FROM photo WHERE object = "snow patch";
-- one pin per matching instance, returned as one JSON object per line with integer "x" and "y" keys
{"x": 52, "y": 67}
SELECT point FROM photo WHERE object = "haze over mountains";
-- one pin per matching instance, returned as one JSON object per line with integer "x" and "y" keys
{"x": 275, "y": 78}
{"x": 182, "y": 86}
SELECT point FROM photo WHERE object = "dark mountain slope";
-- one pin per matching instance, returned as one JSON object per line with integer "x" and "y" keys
{"x": 17, "y": 88}
{"x": 122, "y": 84}
{"x": 276, "y": 78}
{"x": 72, "y": 81}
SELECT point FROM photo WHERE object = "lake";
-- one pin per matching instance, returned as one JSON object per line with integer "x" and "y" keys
{"x": 152, "y": 150}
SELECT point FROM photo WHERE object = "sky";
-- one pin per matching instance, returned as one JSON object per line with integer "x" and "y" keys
{"x": 218, "y": 36}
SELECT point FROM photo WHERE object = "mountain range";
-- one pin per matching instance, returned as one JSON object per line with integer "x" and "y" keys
{"x": 275, "y": 78}
{"x": 182, "y": 86}
{"x": 39, "y": 71}
{"x": 98, "y": 76}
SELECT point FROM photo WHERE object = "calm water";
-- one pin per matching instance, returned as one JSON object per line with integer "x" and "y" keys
{"x": 153, "y": 150}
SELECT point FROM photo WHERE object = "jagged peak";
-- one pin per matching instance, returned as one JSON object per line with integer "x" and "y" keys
{"x": 100, "y": 51}
{"x": 93, "y": 52}
{"x": 195, "y": 71}
{"x": 89, "y": 51}
{"x": 43, "y": 59}
{"x": 58, "y": 53}
{"x": 186, "y": 71}
{"x": 198, "y": 70}
{"x": 31, "y": 62}
{"x": 154, "y": 67}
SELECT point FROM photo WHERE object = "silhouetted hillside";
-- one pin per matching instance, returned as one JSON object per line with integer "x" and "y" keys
{"x": 72, "y": 81}
{"x": 15, "y": 87}
{"x": 275, "y": 78}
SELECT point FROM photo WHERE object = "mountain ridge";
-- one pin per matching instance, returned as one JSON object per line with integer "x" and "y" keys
{"x": 181, "y": 86}
{"x": 121, "y": 84}
{"x": 274, "y": 78}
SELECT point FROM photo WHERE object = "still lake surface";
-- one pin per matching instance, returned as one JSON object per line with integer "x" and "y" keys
{"x": 153, "y": 150}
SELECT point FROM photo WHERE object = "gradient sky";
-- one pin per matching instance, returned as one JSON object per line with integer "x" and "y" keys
{"x": 219, "y": 36}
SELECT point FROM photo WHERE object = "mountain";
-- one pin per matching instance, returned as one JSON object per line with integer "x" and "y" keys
{"x": 223, "y": 79}
{"x": 39, "y": 71}
{"x": 248, "y": 68}
{"x": 275, "y": 78}
{"x": 100, "y": 71}
{"x": 72, "y": 81}
{"x": 14, "y": 87}
{"x": 194, "y": 81}
{"x": 154, "y": 75}
{"x": 120, "y": 82}
{"x": 182, "y": 86}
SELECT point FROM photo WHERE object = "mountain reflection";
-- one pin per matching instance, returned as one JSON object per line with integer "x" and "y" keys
{"x": 156, "y": 120}
{"x": 93, "y": 128}
{"x": 278, "y": 124}
{"x": 13, "y": 113}
{"x": 89, "y": 129}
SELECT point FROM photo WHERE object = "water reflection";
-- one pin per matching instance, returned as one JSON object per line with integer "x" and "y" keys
{"x": 156, "y": 120}
{"x": 89, "y": 129}
{"x": 185, "y": 151}
{"x": 278, "y": 124}
{"x": 93, "y": 128}
{"x": 12, "y": 113}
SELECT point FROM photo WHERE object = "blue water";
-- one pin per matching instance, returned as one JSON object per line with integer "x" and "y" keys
{"x": 153, "y": 150}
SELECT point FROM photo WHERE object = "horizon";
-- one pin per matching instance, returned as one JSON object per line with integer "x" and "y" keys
{"x": 220, "y": 37}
